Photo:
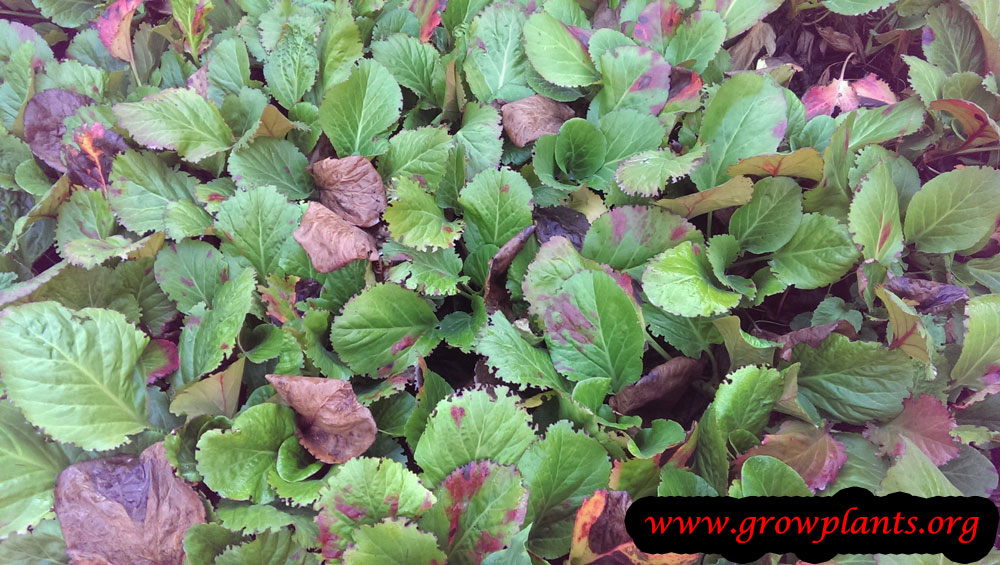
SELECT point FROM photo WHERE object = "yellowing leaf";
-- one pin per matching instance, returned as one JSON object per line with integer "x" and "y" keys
{"x": 803, "y": 163}
{"x": 735, "y": 192}
{"x": 908, "y": 332}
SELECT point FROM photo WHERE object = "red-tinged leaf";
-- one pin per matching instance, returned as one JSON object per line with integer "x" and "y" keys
{"x": 159, "y": 359}
{"x": 813, "y": 452}
{"x": 89, "y": 159}
{"x": 926, "y": 422}
{"x": 428, "y": 13}
{"x": 43, "y": 123}
{"x": 665, "y": 383}
{"x": 804, "y": 163}
{"x": 657, "y": 22}
{"x": 928, "y": 297}
{"x": 329, "y": 421}
{"x": 685, "y": 89}
{"x": 908, "y": 332}
{"x": 279, "y": 297}
{"x": 977, "y": 126}
{"x": 198, "y": 82}
{"x": 872, "y": 92}
{"x": 823, "y": 100}
{"x": 599, "y": 534}
{"x": 495, "y": 293}
{"x": 114, "y": 28}
{"x": 991, "y": 386}
{"x": 126, "y": 505}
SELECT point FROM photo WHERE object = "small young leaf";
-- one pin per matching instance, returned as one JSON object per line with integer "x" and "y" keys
{"x": 679, "y": 281}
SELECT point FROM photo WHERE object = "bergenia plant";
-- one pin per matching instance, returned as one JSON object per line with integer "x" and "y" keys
{"x": 426, "y": 282}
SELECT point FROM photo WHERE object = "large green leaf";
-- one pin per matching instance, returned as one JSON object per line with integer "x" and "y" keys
{"x": 874, "y": 216}
{"x": 177, "y": 119}
{"x": 29, "y": 475}
{"x": 635, "y": 78}
{"x": 745, "y": 399}
{"x": 982, "y": 342}
{"x": 142, "y": 186}
{"x": 954, "y": 210}
{"x": 417, "y": 221}
{"x": 85, "y": 228}
{"x": 740, "y": 15}
{"x": 471, "y": 426}
{"x": 555, "y": 53}
{"x": 290, "y": 69}
{"x": 820, "y": 253}
{"x": 192, "y": 271}
{"x": 763, "y": 475}
{"x": 855, "y": 7}
{"x": 480, "y": 135}
{"x": 235, "y": 462}
{"x": 746, "y": 117}
{"x": 394, "y": 542}
{"x": 697, "y": 39}
{"x": 363, "y": 491}
{"x": 356, "y": 113}
{"x": 559, "y": 472}
{"x": 514, "y": 359}
{"x": 646, "y": 173}
{"x": 415, "y": 65}
{"x": 951, "y": 40}
{"x": 496, "y": 67}
{"x": 271, "y": 161}
{"x": 580, "y": 148}
{"x": 914, "y": 473}
{"x": 592, "y": 330}
{"x": 383, "y": 325}
{"x": 497, "y": 206}
{"x": 481, "y": 507}
{"x": 680, "y": 281}
{"x": 855, "y": 381}
{"x": 339, "y": 46}
{"x": 771, "y": 217}
{"x": 72, "y": 373}
{"x": 433, "y": 273}
{"x": 256, "y": 224}
{"x": 420, "y": 153}
{"x": 628, "y": 236}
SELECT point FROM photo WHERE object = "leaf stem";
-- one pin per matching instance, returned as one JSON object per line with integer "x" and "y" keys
{"x": 752, "y": 260}
{"x": 656, "y": 346}
{"x": 17, "y": 14}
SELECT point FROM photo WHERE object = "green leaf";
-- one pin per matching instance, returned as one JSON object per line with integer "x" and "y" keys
{"x": 362, "y": 492}
{"x": 514, "y": 359}
{"x": 771, "y": 218}
{"x": 628, "y": 132}
{"x": 652, "y": 441}
{"x": 177, "y": 119}
{"x": 914, "y": 473}
{"x": 434, "y": 390}
{"x": 874, "y": 217}
{"x": 875, "y": 125}
{"x": 634, "y": 77}
{"x": 864, "y": 467}
{"x": 356, "y": 113}
{"x": 77, "y": 288}
{"x": 268, "y": 548}
{"x": 741, "y": 15}
{"x": 679, "y": 281}
{"x": 235, "y": 462}
{"x": 384, "y": 325}
{"x": 698, "y": 39}
{"x": 275, "y": 162}
{"x": 258, "y": 518}
{"x": 394, "y": 542}
{"x": 204, "y": 542}
{"x": 209, "y": 334}
{"x": 137, "y": 278}
{"x": 746, "y": 117}
{"x": 480, "y": 135}
{"x": 580, "y": 148}
{"x": 763, "y": 475}
{"x": 228, "y": 68}
{"x": 339, "y": 46}
{"x": 191, "y": 271}
{"x": 434, "y": 273}
{"x": 627, "y": 236}
{"x": 745, "y": 399}
{"x": 85, "y": 228}
{"x": 419, "y": 153}
{"x": 954, "y": 210}
{"x": 290, "y": 69}
{"x": 480, "y": 501}
{"x": 415, "y": 65}
{"x": 855, "y": 7}
{"x": 646, "y": 173}
{"x": 592, "y": 330}
{"x": 559, "y": 471}
{"x": 681, "y": 482}
{"x": 743, "y": 348}
{"x": 555, "y": 53}
{"x": 255, "y": 224}
{"x": 470, "y": 426}
{"x": 497, "y": 207}
{"x": 218, "y": 394}
{"x": 981, "y": 347}
{"x": 855, "y": 381}
{"x": 952, "y": 42}
{"x": 71, "y": 373}
{"x": 33, "y": 464}
{"x": 723, "y": 250}
{"x": 691, "y": 335}
{"x": 820, "y": 253}
{"x": 496, "y": 66}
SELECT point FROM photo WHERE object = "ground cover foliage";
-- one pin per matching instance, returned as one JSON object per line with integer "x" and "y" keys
{"x": 392, "y": 282}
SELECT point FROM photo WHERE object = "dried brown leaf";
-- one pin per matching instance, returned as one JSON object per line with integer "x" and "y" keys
{"x": 331, "y": 242}
{"x": 760, "y": 36}
{"x": 352, "y": 188}
{"x": 126, "y": 509}
{"x": 329, "y": 421}
{"x": 43, "y": 123}
{"x": 930, "y": 297}
{"x": 665, "y": 382}
{"x": 529, "y": 118}
{"x": 495, "y": 293}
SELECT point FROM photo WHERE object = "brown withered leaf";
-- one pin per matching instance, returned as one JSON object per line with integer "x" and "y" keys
{"x": 811, "y": 336}
{"x": 495, "y": 292}
{"x": 331, "y": 242}
{"x": 43, "y": 123}
{"x": 529, "y": 118}
{"x": 126, "y": 509}
{"x": 665, "y": 382}
{"x": 329, "y": 421}
{"x": 561, "y": 220}
{"x": 760, "y": 36}
{"x": 931, "y": 297}
{"x": 350, "y": 187}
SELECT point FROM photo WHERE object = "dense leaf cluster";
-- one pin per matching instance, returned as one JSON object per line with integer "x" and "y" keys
{"x": 426, "y": 282}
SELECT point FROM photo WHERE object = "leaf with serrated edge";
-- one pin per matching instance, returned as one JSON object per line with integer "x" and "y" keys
{"x": 355, "y": 112}
{"x": 177, "y": 119}
{"x": 513, "y": 358}
{"x": 416, "y": 220}
{"x": 679, "y": 281}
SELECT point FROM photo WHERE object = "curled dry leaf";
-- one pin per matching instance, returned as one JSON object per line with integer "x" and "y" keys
{"x": 665, "y": 382}
{"x": 126, "y": 506}
{"x": 331, "y": 242}
{"x": 495, "y": 293}
{"x": 114, "y": 28}
{"x": 529, "y": 118}
{"x": 43, "y": 123}
{"x": 561, "y": 220}
{"x": 329, "y": 421}
{"x": 350, "y": 187}
{"x": 744, "y": 53}
{"x": 847, "y": 95}
{"x": 930, "y": 297}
